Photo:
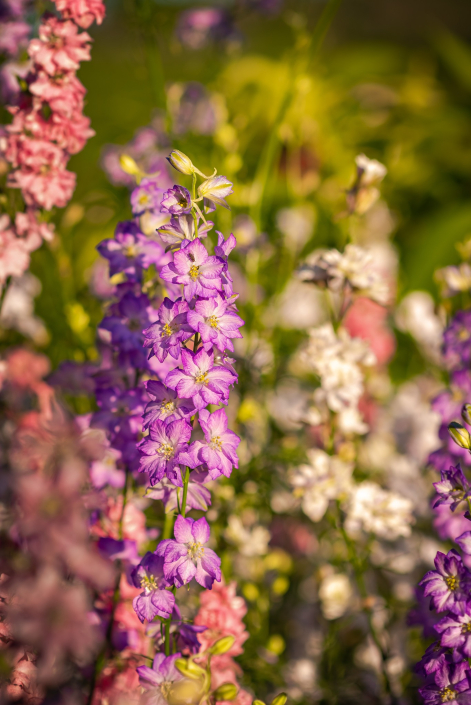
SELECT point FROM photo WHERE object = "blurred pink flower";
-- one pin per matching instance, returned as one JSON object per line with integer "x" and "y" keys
{"x": 367, "y": 319}
{"x": 82, "y": 12}
{"x": 59, "y": 48}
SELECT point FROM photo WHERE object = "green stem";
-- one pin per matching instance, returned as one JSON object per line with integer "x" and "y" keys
{"x": 167, "y": 637}
{"x": 185, "y": 491}
{"x": 193, "y": 198}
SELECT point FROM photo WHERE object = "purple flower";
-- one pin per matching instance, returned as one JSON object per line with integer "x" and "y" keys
{"x": 453, "y": 488}
{"x": 223, "y": 249}
{"x": 186, "y": 557}
{"x": 162, "y": 448}
{"x": 176, "y": 201}
{"x": 219, "y": 451}
{"x": 455, "y": 630}
{"x": 123, "y": 328}
{"x": 449, "y": 584}
{"x": 119, "y": 410}
{"x": 158, "y": 679}
{"x": 146, "y": 197}
{"x": 166, "y": 335}
{"x": 184, "y": 635}
{"x": 215, "y": 323}
{"x": 201, "y": 380}
{"x": 198, "y": 496}
{"x": 165, "y": 405}
{"x": 452, "y": 685}
{"x": 457, "y": 340}
{"x": 195, "y": 269}
{"x": 464, "y": 542}
{"x": 154, "y": 600}
{"x": 182, "y": 228}
{"x": 130, "y": 251}
{"x": 449, "y": 402}
{"x": 196, "y": 28}
{"x": 433, "y": 659}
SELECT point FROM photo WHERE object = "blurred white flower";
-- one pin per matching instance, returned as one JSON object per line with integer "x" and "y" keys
{"x": 378, "y": 511}
{"x": 454, "y": 279}
{"x": 301, "y": 675}
{"x": 416, "y": 315}
{"x": 325, "y": 478}
{"x": 250, "y": 542}
{"x": 372, "y": 171}
{"x": 18, "y": 308}
{"x": 335, "y": 593}
{"x": 296, "y": 224}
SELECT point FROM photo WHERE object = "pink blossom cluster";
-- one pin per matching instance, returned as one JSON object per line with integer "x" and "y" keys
{"x": 48, "y": 126}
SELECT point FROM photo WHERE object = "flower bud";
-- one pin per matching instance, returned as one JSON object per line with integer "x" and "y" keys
{"x": 215, "y": 189}
{"x": 222, "y": 646}
{"x": 189, "y": 669}
{"x": 181, "y": 162}
{"x": 460, "y": 435}
{"x": 129, "y": 165}
{"x": 466, "y": 414}
{"x": 226, "y": 691}
{"x": 258, "y": 702}
{"x": 185, "y": 693}
{"x": 280, "y": 699}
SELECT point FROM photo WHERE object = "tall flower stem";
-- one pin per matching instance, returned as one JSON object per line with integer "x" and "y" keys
{"x": 186, "y": 479}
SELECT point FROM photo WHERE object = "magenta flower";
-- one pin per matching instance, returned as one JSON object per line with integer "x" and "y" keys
{"x": 215, "y": 322}
{"x": 219, "y": 451}
{"x": 452, "y": 685}
{"x": 434, "y": 658}
{"x": 195, "y": 269}
{"x": 158, "y": 679}
{"x": 198, "y": 496}
{"x": 200, "y": 379}
{"x": 464, "y": 542}
{"x": 455, "y": 630}
{"x": 182, "y": 228}
{"x": 165, "y": 405}
{"x": 453, "y": 488}
{"x": 130, "y": 251}
{"x": 165, "y": 336}
{"x": 457, "y": 340}
{"x": 162, "y": 448}
{"x": 186, "y": 557}
{"x": 154, "y": 600}
{"x": 449, "y": 584}
{"x": 146, "y": 197}
{"x": 223, "y": 249}
{"x": 176, "y": 201}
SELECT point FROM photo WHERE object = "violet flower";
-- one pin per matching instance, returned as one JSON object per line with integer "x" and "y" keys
{"x": 464, "y": 542}
{"x": 195, "y": 269}
{"x": 176, "y": 201}
{"x": 154, "y": 601}
{"x": 219, "y": 451}
{"x": 457, "y": 340}
{"x": 186, "y": 557}
{"x": 449, "y": 584}
{"x": 449, "y": 402}
{"x": 147, "y": 196}
{"x": 434, "y": 658}
{"x": 455, "y": 630}
{"x": 453, "y": 488}
{"x": 130, "y": 251}
{"x": 166, "y": 335}
{"x": 165, "y": 405}
{"x": 158, "y": 680}
{"x": 215, "y": 323}
{"x": 198, "y": 497}
{"x": 182, "y": 228}
{"x": 223, "y": 250}
{"x": 201, "y": 380}
{"x": 452, "y": 685}
{"x": 162, "y": 448}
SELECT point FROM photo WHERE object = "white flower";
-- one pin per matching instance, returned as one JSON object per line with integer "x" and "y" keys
{"x": 377, "y": 511}
{"x": 415, "y": 315}
{"x": 249, "y": 542}
{"x": 325, "y": 478}
{"x": 454, "y": 279}
{"x": 372, "y": 171}
{"x": 335, "y": 593}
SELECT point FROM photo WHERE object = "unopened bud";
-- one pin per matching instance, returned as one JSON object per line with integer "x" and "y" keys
{"x": 185, "y": 693}
{"x": 222, "y": 646}
{"x": 460, "y": 435}
{"x": 189, "y": 669}
{"x": 280, "y": 699}
{"x": 181, "y": 162}
{"x": 129, "y": 165}
{"x": 466, "y": 414}
{"x": 258, "y": 702}
{"x": 226, "y": 691}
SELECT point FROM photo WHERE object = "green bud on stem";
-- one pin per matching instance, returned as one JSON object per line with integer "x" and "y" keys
{"x": 466, "y": 414}
{"x": 222, "y": 646}
{"x": 280, "y": 699}
{"x": 226, "y": 691}
{"x": 460, "y": 435}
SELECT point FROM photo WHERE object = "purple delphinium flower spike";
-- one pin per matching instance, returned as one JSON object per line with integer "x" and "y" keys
{"x": 449, "y": 402}
{"x": 223, "y": 250}
{"x": 158, "y": 680}
{"x": 201, "y": 380}
{"x": 182, "y": 228}
{"x": 449, "y": 584}
{"x": 162, "y": 448}
{"x": 165, "y": 405}
{"x": 455, "y": 630}
{"x": 130, "y": 251}
{"x": 198, "y": 497}
{"x": 452, "y": 685}
{"x": 165, "y": 336}
{"x": 146, "y": 197}
{"x": 219, "y": 451}
{"x": 457, "y": 340}
{"x": 215, "y": 323}
{"x": 154, "y": 600}
{"x": 186, "y": 557}
{"x": 176, "y": 201}
{"x": 453, "y": 488}
{"x": 195, "y": 269}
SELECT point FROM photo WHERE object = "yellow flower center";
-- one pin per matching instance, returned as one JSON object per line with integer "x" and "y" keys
{"x": 168, "y": 406}
{"x": 213, "y": 322}
{"x": 452, "y": 582}
{"x": 447, "y": 694}
{"x": 143, "y": 198}
{"x": 463, "y": 334}
{"x": 216, "y": 443}
{"x": 148, "y": 583}
{"x": 202, "y": 378}
{"x": 166, "y": 331}
{"x": 166, "y": 451}
{"x": 466, "y": 628}
{"x": 130, "y": 251}
{"x": 194, "y": 272}
{"x": 195, "y": 550}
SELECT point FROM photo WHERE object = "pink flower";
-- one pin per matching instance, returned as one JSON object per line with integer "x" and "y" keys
{"x": 367, "y": 319}
{"x": 31, "y": 230}
{"x": 60, "y": 48}
{"x": 222, "y": 612}
{"x": 64, "y": 94}
{"x": 14, "y": 255}
{"x": 82, "y": 12}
